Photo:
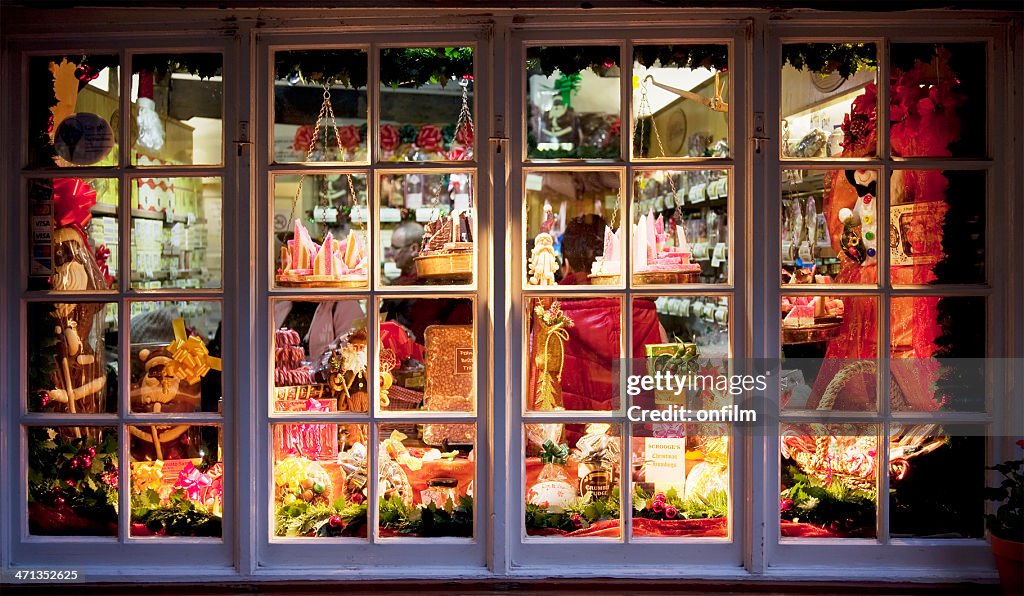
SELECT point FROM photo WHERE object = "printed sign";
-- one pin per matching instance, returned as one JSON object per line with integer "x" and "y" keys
{"x": 665, "y": 462}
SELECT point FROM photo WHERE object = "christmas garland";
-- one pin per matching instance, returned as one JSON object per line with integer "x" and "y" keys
{"x": 452, "y": 520}
{"x": 76, "y": 474}
{"x": 341, "y": 518}
{"x": 399, "y": 67}
{"x": 835, "y": 507}
{"x": 179, "y": 516}
{"x": 825, "y": 58}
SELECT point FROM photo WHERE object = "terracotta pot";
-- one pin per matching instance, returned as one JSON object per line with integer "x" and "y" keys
{"x": 1009, "y": 557}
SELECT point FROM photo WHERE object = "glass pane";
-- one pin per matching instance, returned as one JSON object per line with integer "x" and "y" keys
{"x": 680, "y": 480}
{"x": 572, "y": 480}
{"x": 829, "y": 487}
{"x": 829, "y": 100}
{"x": 829, "y": 226}
{"x": 937, "y": 226}
{"x": 176, "y": 232}
{"x": 573, "y": 351}
{"x": 426, "y": 479}
{"x": 427, "y": 229}
{"x": 73, "y": 245}
{"x": 573, "y": 102}
{"x": 309, "y": 211}
{"x": 177, "y": 108}
{"x": 300, "y": 98}
{"x": 680, "y": 227}
{"x": 427, "y": 355}
{"x": 938, "y": 346}
{"x": 681, "y": 101}
{"x": 320, "y": 479}
{"x": 923, "y": 502}
{"x": 73, "y": 114}
{"x": 572, "y": 228}
{"x": 938, "y": 99}
{"x": 426, "y": 104}
{"x": 72, "y": 357}
{"x": 175, "y": 356}
{"x": 320, "y": 356}
{"x": 177, "y": 479}
{"x": 829, "y": 347}
{"x": 72, "y": 481}
{"x": 699, "y": 320}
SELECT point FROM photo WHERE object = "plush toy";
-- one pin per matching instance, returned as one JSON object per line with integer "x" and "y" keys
{"x": 543, "y": 263}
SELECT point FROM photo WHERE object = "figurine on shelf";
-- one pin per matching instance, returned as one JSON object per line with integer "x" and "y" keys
{"x": 543, "y": 262}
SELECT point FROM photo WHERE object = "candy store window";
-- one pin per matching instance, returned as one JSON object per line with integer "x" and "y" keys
{"x": 374, "y": 385}
{"x": 596, "y": 241}
{"x": 883, "y": 319}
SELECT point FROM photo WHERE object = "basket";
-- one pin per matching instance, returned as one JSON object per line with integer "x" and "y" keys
{"x": 446, "y": 266}
{"x": 605, "y": 279}
{"x": 402, "y": 398}
{"x": 818, "y": 332}
{"x": 666, "y": 277}
{"x": 320, "y": 281}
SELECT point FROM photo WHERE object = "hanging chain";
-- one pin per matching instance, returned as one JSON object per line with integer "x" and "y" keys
{"x": 465, "y": 121}
{"x": 326, "y": 112}
{"x": 644, "y": 106}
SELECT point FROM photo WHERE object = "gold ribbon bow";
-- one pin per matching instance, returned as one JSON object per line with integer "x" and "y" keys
{"x": 190, "y": 360}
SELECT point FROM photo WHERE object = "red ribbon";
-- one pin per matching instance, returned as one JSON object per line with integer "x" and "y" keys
{"x": 72, "y": 200}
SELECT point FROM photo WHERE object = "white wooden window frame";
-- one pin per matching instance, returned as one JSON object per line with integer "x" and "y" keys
{"x": 246, "y": 550}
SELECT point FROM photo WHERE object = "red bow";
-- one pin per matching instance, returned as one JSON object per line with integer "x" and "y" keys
{"x": 72, "y": 200}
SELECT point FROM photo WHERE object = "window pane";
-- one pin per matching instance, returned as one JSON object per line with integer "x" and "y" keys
{"x": 426, "y": 104}
{"x": 938, "y": 347}
{"x": 938, "y": 99}
{"x": 176, "y": 232}
{"x": 177, "y": 476}
{"x": 572, "y": 228}
{"x": 692, "y": 118}
{"x": 680, "y": 480}
{"x": 572, "y": 480}
{"x": 178, "y": 108}
{"x": 829, "y": 347}
{"x": 699, "y": 320}
{"x": 829, "y": 226}
{"x": 573, "y": 102}
{"x": 309, "y": 210}
{"x": 320, "y": 356}
{"x": 937, "y": 226}
{"x": 428, "y": 349}
{"x": 573, "y": 348}
{"x": 175, "y": 356}
{"x": 74, "y": 239}
{"x": 426, "y": 479}
{"x": 72, "y": 357}
{"x": 829, "y": 100}
{"x": 73, "y": 114}
{"x": 427, "y": 229}
{"x": 72, "y": 481}
{"x": 299, "y": 89}
{"x": 923, "y": 502}
{"x": 829, "y": 487}
{"x": 320, "y": 479}
{"x": 680, "y": 227}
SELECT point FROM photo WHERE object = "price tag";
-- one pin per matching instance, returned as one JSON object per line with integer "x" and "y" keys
{"x": 390, "y": 214}
{"x": 427, "y": 214}
{"x": 534, "y": 182}
{"x": 360, "y": 214}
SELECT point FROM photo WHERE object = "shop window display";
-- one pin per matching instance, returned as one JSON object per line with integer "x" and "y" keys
{"x": 74, "y": 110}
{"x": 427, "y": 229}
{"x": 833, "y": 223}
{"x": 681, "y": 101}
{"x": 321, "y": 227}
{"x": 680, "y": 232}
{"x": 829, "y": 106}
{"x": 573, "y": 492}
{"x": 573, "y": 113}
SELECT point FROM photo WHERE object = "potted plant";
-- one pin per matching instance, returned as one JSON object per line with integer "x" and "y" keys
{"x": 1006, "y": 525}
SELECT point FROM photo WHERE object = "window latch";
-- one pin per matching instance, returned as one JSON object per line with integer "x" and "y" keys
{"x": 759, "y": 135}
{"x": 243, "y": 134}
